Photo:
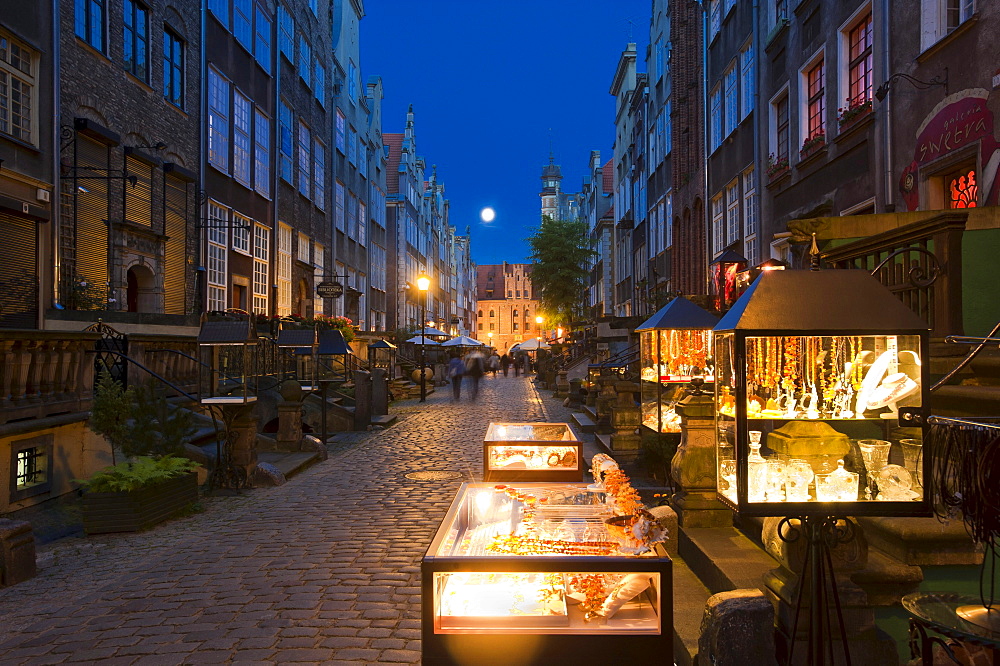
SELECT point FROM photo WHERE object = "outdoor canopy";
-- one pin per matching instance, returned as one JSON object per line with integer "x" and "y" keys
{"x": 421, "y": 340}
{"x": 462, "y": 341}
{"x": 533, "y": 344}
{"x": 432, "y": 331}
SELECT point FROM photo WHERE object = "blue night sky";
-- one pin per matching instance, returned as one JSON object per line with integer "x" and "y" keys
{"x": 488, "y": 80}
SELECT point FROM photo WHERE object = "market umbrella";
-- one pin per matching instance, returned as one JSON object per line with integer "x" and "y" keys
{"x": 422, "y": 340}
{"x": 533, "y": 344}
{"x": 432, "y": 331}
{"x": 462, "y": 341}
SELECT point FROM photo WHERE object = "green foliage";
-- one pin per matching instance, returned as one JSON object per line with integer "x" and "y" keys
{"x": 111, "y": 411}
{"x": 157, "y": 428}
{"x": 143, "y": 472}
{"x": 560, "y": 253}
{"x": 81, "y": 294}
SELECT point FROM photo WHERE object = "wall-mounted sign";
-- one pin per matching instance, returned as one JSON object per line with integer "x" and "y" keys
{"x": 329, "y": 290}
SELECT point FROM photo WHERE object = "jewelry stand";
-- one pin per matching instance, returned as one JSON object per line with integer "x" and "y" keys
{"x": 226, "y": 474}
{"x": 822, "y": 533}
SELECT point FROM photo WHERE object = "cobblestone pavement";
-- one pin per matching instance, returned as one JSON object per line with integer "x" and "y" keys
{"x": 325, "y": 569}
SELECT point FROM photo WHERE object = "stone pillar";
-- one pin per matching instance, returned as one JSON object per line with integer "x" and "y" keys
{"x": 562, "y": 385}
{"x": 694, "y": 467}
{"x": 575, "y": 397}
{"x": 17, "y": 552}
{"x": 362, "y": 399}
{"x": 243, "y": 435}
{"x": 604, "y": 402}
{"x": 289, "y": 436}
{"x": 380, "y": 392}
{"x": 626, "y": 417}
{"x": 737, "y": 629}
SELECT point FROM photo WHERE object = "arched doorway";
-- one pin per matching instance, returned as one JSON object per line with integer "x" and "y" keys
{"x": 140, "y": 292}
{"x": 301, "y": 298}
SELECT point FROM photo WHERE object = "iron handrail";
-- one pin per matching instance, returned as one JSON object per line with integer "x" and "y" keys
{"x": 980, "y": 343}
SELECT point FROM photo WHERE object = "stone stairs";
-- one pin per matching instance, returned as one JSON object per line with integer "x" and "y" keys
{"x": 973, "y": 392}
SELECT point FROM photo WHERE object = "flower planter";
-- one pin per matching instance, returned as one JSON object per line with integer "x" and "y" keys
{"x": 846, "y": 125}
{"x": 775, "y": 176}
{"x": 806, "y": 153}
{"x": 140, "y": 509}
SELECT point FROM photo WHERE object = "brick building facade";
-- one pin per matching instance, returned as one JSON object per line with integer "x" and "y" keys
{"x": 507, "y": 306}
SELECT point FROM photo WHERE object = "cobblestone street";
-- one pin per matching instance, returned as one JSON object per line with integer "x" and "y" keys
{"x": 324, "y": 569}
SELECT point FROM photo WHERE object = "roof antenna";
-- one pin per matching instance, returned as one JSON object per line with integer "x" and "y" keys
{"x": 814, "y": 255}
{"x": 552, "y": 157}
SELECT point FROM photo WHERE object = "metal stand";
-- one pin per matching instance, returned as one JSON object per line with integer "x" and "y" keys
{"x": 823, "y": 533}
{"x": 226, "y": 474}
{"x": 423, "y": 349}
{"x": 324, "y": 384}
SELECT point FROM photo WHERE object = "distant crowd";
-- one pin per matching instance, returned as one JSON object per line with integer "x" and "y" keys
{"x": 475, "y": 365}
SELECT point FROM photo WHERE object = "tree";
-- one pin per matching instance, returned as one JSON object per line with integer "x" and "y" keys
{"x": 560, "y": 255}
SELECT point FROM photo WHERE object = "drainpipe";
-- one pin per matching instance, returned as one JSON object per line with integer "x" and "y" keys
{"x": 54, "y": 207}
{"x": 759, "y": 120}
{"x": 273, "y": 173}
{"x": 705, "y": 122}
{"x": 201, "y": 271}
{"x": 887, "y": 111}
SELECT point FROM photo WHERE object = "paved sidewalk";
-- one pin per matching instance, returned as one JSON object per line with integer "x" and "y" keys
{"x": 325, "y": 569}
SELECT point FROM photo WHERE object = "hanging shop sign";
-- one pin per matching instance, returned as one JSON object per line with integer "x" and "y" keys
{"x": 329, "y": 290}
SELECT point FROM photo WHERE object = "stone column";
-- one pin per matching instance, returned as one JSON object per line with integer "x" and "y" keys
{"x": 562, "y": 385}
{"x": 362, "y": 399}
{"x": 290, "y": 416}
{"x": 243, "y": 436}
{"x": 626, "y": 417}
{"x": 574, "y": 392}
{"x": 380, "y": 392}
{"x": 604, "y": 402}
{"x": 694, "y": 467}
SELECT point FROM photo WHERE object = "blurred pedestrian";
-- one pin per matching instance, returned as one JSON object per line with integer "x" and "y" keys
{"x": 518, "y": 365}
{"x": 456, "y": 368}
{"x": 505, "y": 363}
{"x": 475, "y": 368}
{"x": 493, "y": 364}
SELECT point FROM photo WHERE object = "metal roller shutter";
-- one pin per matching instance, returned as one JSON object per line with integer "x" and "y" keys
{"x": 91, "y": 242}
{"x": 18, "y": 273}
{"x": 138, "y": 199}
{"x": 176, "y": 215}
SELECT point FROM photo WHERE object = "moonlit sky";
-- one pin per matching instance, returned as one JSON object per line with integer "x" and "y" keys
{"x": 491, "y": 83}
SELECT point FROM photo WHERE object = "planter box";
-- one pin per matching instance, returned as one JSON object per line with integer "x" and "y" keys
{"x": 139, "y": 509}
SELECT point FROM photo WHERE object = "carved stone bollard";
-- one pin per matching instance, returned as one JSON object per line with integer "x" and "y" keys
{"x": 562, "y": 385}
{"x": 17, "y": 552}
{"x": 290, "y": 416}
{"x": 380, "y": 392}
{"x": 693, "y": 467}
{"x": 737, "y": 629}
{"x": 626, "y": 417}
{"x": 604, "y": 402}
{"x": 575, "y": 395}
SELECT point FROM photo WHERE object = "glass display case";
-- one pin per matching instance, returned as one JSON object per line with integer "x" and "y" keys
{"x": 675, "y": 345}
{"x": 812, "y": 368}
{"x": 532, "y": 452}
{"x": 543, "y": 572}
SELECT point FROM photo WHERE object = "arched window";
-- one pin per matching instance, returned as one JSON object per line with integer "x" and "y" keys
{"x": 480, "y": 313}
{"x": 491, "y": 313}
{"x": 515, "y": 313}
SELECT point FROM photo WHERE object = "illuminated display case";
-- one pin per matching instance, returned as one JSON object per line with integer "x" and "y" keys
{"x": 482, "y": 592}
{"x": 532, "y": 452}
{"x": 812, "y": 368}
{"x": 675, "y": 345}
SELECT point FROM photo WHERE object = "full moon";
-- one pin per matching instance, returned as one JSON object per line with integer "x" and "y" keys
{"x": 487, "y": 214}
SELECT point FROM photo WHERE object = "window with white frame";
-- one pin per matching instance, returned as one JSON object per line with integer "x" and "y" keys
{"x": 715, "y": 126}
{"x": 338, "y": 212}
{"x": 243, "y": 23}
{"x": 218, "y": 121}
{"x": 217, "y": 256}
{"x": 814, "y": 103}
{"x": 733, "y": 212}
{"x": 284, "y": 269}
{"x": 718, "y": 224}
{"x": 305, "y": 61}
{"x": 362, "y": 223}
{"x": 668, "y": 219}
{"x": 352, "y": 146}
{"x": 352, "y": 81}
{"x": 17, "y": 89}
{"x": 286, "y": 34}
{"x": 285, "y": 142}
{"x": 305, "y": 161}
{"x": 261, "y": 257}
{"x": 782, "y": 132}
{"x": 303, "y": 247}
{"x": 241, "y": 138}
{"x": 262, "y": 39}
{"x": 377, "y": 267}
{"x": 732, "y": 113}
{"x": 340, "y": 128}
{"x": 750, "y": 224}
{"x": 262, "y": 153}
{"x": 747, "y": 80}
{"x": 362, "y": 157}
{"x": 939, "y": 18}
{"x": 859, "y": 63}
{"x": 319, "y": 174}
{"x": 241, "y": 233}
{"x": 319, "y": 271}
{"x": 352, "y": 211}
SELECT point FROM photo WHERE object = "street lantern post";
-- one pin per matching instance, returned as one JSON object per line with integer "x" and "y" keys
{"x": 423, "y": 284}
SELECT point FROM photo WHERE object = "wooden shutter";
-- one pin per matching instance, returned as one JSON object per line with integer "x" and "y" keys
{"x": 18, "y": 273}
{"x": 175, "y": 255}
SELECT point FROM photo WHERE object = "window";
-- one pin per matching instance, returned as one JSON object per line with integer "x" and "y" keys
{"x": 341, "y": 129}
{"x": 305, "y": 162}
{"x": 963, "y": 189}
{"x": 513, "y": 313}
{"x": 515, "y": 326}
{"x": 319, "y": 83}
{"x": 303, "y": 247}
{"x": 362, "y": 157}
{"x": 362, "y": 237}
{"x": 241, "y": 233}
{"x": 261, "y": 256}
{"x": 480, "y": 327}
{"x": 286, "y": 34}
{"x": 715, "y": 18}
{"x": 262, "y": 39}
{"x": 747, "y": 75}
{"x": 89, "y": 20}
{"x": 859, "y": 74}
{"x": 815, "y": 100}
{"x": 17, "y": 89}
{"x": 136, "y": 40}
{"x": 221, "y": 10}
{"x": 241, "y": 138}
{"x": 352, "y": 81}
{"x": 939, "y": 18}
{"x": 480, "y": 313}
{"x": 31, "y": 462}
{"x": 733, "y": 212}
{"x": 781, "y": 133}
{"x": 491, "y": 313}
{"x": 492, "y": 326}
{"x": 732, "y": 98}
{"x": 262, "y": 153}
{"x": 284, "y": 270}
{"x": 715, "y": 127}
{"x": 173, "y": 68}
{"x": 242, "y": 23}
{"x": 780, "y": 10}
{"x": 319, "y": 174}
{"x": 718, "y": 231}
{"x": 352, "y": 220}
{"x": 305, "y": 60}
{"x": 285, "y": 142}
{"x": 218, "y": 121}
{"x": 958, "y": 12}
{"x": 217, "y": 255}
{"x": 352, "y": 146}
{"x": 750, "y": 217}
{"x": 338, "y": 214}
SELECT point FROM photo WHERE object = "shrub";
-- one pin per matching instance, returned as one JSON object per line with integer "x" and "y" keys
{"x": 143, "y": 472}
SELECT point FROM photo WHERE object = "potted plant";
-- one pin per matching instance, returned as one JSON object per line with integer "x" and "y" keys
{"x": 813, "y": 143}
{"x": 776, "y": 167}
{"x": 856, "y": 108}
{"x": 154, "y": 482}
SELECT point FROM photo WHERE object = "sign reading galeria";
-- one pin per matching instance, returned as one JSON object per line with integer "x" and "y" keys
{"x": 958, "y": 121}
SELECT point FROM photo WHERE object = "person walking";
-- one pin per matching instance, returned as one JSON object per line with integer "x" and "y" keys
{"x": 475, "y": 367}
{"x": 505, "y": 364}
{"x": 455, "y": 371}
{"x": 493, "y": 364}
{"x": 518, "y": 365}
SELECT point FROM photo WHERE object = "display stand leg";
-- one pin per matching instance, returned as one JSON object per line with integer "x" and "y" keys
{"x": 226, "y": 474}
{"x": 822, "y": 534}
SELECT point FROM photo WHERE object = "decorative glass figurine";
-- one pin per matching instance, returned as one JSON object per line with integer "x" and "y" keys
{"x": 798, "y": 476}
{"x": 911, "y": 460}
{"x": 756, "y": 469}
{"x": 895, "y": 484}
{"x": 875, "y": 453}
{"x": 837, "y": 486}
{"x": 775, "y": 480}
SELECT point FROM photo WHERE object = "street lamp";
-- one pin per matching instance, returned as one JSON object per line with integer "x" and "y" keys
{"x": 490, "y": 336}
{"x": 538, "y": 320}
{"x": 423, "y": 284}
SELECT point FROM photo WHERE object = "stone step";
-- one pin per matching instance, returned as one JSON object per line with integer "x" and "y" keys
{"x": 724, "y": 559}
{"x": 966, "y": 401}
{"x": 689, "y": 606}
{"x": 585, "y": 423}
{"x": 591, "y": 412}
{"x": 290, "y": 463}
{"x": 604, "y": 443}
{"x": 384, "y": 420}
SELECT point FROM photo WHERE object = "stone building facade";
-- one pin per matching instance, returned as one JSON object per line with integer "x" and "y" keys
{"x": 506, "y": 305}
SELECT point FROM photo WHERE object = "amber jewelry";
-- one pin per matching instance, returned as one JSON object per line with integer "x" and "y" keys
{"x": 856, "y": 360}
{"x": 512, "y": 544}
{"x": 790, "y": 363}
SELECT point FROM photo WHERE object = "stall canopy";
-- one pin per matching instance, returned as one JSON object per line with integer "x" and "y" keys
{"x": 421, "y": 340}
{"x": 432, "y": 331}
{"x": 462, "y": 341}
{"x": 679, "y": 313}
{"x": 533, "y": 345}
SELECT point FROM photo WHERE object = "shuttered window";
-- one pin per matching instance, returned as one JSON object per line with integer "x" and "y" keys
{"x": 91, "y": 232}
{"x": 138, "y": 197}
{"x": 18, "y": 273}
{"x": 175, "y": 227}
